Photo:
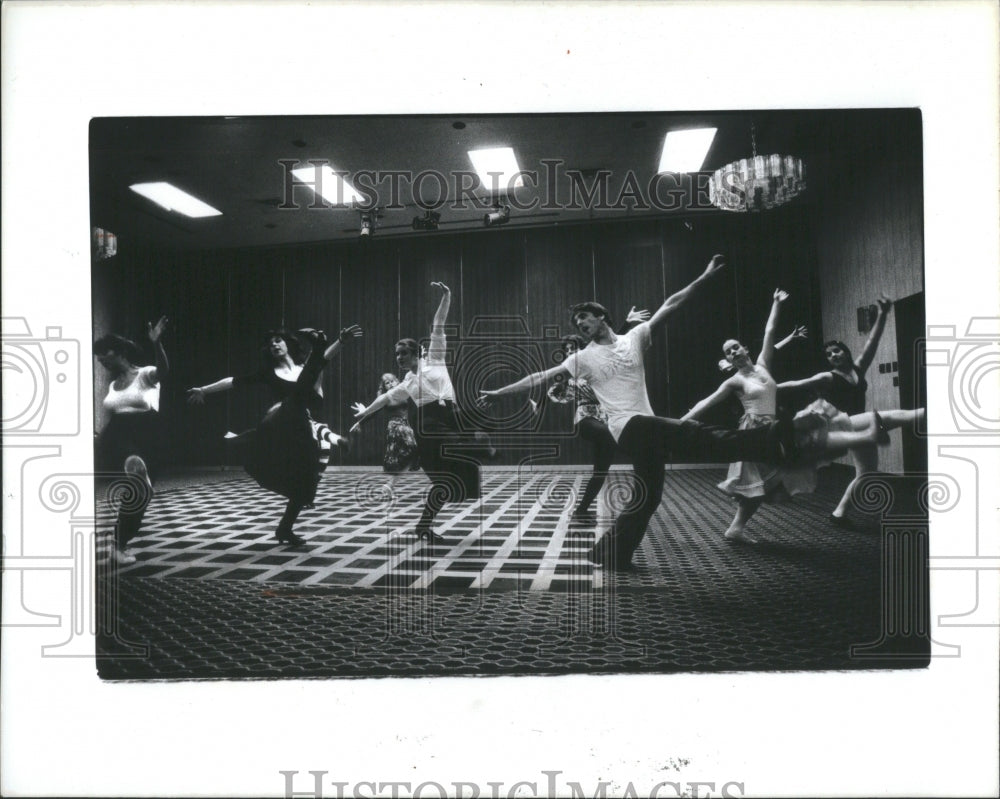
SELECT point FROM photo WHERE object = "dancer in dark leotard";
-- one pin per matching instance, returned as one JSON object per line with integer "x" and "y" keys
{"x": 843, "y": 389}
{"x": 288, "y": 450}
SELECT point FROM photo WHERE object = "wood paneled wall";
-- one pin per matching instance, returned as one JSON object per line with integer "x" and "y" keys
{"x": 512, "y": 289}
{"x": 870, "y": 240}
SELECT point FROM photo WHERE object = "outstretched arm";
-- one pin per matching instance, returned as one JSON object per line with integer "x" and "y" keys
{"x": 674, "y": 301}
{"x": 196, "y": 395}
{"x": 767, "y": 348}
{"x": 155, "y": 334}
{"x": 815, "y": 382}
{"x": 868, "y": 353}
{"x": 361, "y": 412}
{"x": 798, "y": 332}
{"x": 524, "y": 384}
{"x": 723, "y": 391}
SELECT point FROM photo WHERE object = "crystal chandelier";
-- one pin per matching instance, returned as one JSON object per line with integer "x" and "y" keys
{"x": 758, "y": 182}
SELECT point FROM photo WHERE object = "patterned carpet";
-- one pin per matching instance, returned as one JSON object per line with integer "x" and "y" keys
{"x": 212, "y": 594}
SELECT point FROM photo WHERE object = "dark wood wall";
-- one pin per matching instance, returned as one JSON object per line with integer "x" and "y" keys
{"x": 869, "y": 240}
{"x": 511, "y": 291}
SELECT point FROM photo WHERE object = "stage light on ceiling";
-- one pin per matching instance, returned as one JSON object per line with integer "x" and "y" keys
{"x": 685, "y": 150}
{"x": 168, "y": 196}
{"x": 429, "y": 221}
{"x": 500, "y": 215}
{"x": 496, "y": 167}
{"x": 369, "y": 221}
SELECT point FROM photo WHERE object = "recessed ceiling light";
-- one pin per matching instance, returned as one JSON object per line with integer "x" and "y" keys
{"x": 685, "y": 150}
{"x": 333, "y": 188}
{"x": 501, "y": 162}
{"x": 173, "y": 199}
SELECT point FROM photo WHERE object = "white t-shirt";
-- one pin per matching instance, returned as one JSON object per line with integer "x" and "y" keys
{"x": 617, "y": 375}
{"x": 430, "y": 383}
{"x": 139, "y": 396}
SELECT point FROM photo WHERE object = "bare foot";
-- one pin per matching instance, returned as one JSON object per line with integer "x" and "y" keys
{"x": 740, "y": 536}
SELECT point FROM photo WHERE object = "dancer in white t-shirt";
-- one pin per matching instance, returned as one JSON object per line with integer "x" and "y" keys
{"x": 614, "y": 367}
{"x": 131, "y": 439}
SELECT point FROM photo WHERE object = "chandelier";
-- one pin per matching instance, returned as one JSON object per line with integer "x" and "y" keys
{"x": 758, "y": 182}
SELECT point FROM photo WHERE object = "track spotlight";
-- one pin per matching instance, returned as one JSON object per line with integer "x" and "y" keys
{"x": 369, "y": 221}
{"x": 429, "y": 221}
{"x": 500, "y": 215}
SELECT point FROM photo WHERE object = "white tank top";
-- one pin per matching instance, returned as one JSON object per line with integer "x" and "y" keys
{"x": 139, "y": 396}
{"x": 760, "y": 393}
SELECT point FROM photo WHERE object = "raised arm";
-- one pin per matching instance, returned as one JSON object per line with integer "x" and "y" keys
{"x": 868, "y": 353}
{"x": 155, "y": 334}
{"x": 441, "y": 314}
{"x": 725, "y": 390}
{"x": 347, "y": 335}
{"x": 674, "y": 301}
{"x": 524, "y": 384}
{"x": 634, "y": 318}
{"x": 799, "y": 332}
{"x": 767, "y": 348}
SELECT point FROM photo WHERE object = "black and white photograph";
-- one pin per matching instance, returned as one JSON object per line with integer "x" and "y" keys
{"x": 483, "y": 399}
{"x": 501, "y": 394}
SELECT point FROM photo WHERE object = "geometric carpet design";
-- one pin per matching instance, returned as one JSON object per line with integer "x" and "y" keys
{"x": 213, "y": 595}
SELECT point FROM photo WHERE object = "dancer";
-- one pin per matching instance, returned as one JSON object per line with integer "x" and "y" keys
{"x": 749, "y": 482}
{"x": 400, "y": 443}
{"x": 843, "y": 389}
{"x": 283, "y": 362}
{"x": 590, "y": 420}
{"x": 614, "y": 367}
{"x": 289, "y": 450}
{"x": 130, "y": 440}
{"x": 454, "y": 474}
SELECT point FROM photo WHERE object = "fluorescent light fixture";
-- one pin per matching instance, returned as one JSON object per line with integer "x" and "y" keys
{"x": 333, "y": 188}
{"x": 497, "y": 160}
{"x": 173, "y": 199}
{"x": 685, "y": 150}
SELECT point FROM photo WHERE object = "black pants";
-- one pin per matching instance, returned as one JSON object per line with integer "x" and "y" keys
{"x": 127, "y": 435}
{"x": 447, "y": 456}
{"x": 652, "y": 441}
{"x": 596, "y": 433}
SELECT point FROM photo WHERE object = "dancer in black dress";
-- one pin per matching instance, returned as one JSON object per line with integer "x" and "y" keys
{"x": 130, "y": 441}
{"x": 288, "y": 450}
{"x": 843, "y": 389}
{"x": 447, "y": 455}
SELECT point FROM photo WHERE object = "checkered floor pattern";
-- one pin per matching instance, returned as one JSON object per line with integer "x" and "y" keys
{"x": 212, "y": 594}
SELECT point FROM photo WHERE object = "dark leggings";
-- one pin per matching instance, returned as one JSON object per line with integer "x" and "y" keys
{"x": 597, "y": 434}
{"x": 652, "y": 441}
{"x": 129, "y": 435}
{"x": 447, "y": 456}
